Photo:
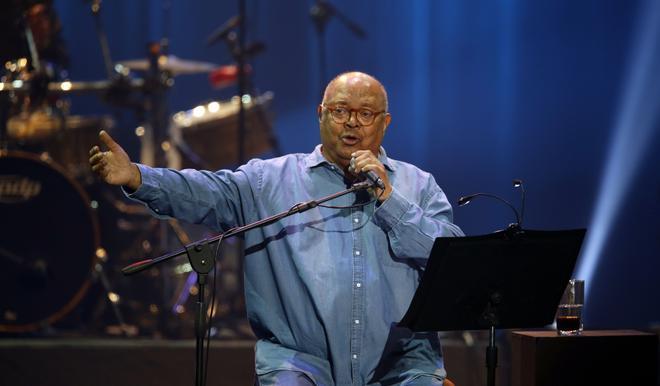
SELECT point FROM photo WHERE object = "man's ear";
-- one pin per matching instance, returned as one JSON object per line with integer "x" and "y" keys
{"x": 388, "y": 119}
{"x": 319, "y": 112}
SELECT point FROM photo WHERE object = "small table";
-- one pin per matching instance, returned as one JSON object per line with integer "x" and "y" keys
{"x": 608, "y": 357}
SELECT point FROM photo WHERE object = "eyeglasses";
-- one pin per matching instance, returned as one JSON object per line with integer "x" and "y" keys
{"x": 341, "y": 115}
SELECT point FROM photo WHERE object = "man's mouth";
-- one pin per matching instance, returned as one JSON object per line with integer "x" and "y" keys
{"x": 350, "y": 140}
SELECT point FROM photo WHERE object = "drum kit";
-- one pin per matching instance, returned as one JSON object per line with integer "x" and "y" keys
{"x": 64, "y": 236}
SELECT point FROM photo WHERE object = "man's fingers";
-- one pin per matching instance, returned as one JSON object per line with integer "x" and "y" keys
{"x": 361, "y": 162}
{"x": 362, "y": 156}
{"x": 362, "y": 153}
{"x": 95, "y": 158}
{"x": 94, "y": 150}
{"x": 367, "y": 167}
{"x": 108, "y": 141}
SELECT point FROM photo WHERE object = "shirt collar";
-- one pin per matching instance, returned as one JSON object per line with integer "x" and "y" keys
{"x": 316, "y": 158}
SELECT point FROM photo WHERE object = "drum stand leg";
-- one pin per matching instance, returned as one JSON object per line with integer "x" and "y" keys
{"x": 113, "y": 298}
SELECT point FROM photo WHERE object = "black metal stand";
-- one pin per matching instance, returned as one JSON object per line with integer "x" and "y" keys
{"x": 99, "y": 274}
{"x": 321, "y": 12}
{"x": 102, "y": 37}
{"x": 491, "y": 358}
{"x": 5, "y": 107}
{"x": 202, "y": 261}
{"x": 242, "y": 80}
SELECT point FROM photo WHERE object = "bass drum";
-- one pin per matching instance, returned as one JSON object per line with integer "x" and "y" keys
{"x": 48, "y": 241}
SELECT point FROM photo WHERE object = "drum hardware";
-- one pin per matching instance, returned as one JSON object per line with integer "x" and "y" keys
{"x": 112, "y": 297}
{"x": 46, "y": 134}
{"x": 205, "y": 136}
{"x": 63, "y": 139}
{"x": 225, "y": 76}
{"x": 46, "y": 272}
{"x": 131, "y": 232}
{"x": 45, "y": 277}
{"x": 243, "y": 142}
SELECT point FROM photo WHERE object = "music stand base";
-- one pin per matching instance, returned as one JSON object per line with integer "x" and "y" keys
{"x": 491, "y": 358}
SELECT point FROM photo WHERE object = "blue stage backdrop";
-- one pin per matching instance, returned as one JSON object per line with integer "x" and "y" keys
{"x": 481, "y": 92}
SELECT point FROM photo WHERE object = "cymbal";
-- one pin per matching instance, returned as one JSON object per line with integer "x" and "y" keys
{"x": 172, "y": 64}
{"x": 69, "y": 86}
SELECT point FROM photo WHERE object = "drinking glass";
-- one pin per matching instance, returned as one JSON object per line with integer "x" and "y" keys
{"x": 569, "y": 313}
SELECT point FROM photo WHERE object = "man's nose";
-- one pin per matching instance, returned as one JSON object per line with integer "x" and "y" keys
{"x": 352, "y": 122}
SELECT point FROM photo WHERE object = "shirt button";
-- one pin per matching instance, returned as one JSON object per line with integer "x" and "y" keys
{"x": 357, "y": 321}
{"x": 354, "y": 356}
{"x": 356, "y": 220}
{"x": 357, "y": 253}
{"x": 358, "y": 285}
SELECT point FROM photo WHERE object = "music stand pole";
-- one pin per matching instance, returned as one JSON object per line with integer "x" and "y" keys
{"x": 491, "y": 358}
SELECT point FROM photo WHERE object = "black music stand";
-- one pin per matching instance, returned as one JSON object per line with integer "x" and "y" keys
{"x": 509, "y": 279}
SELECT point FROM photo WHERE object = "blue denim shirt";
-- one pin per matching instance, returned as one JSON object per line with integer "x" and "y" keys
{"x": 324, "y": 288}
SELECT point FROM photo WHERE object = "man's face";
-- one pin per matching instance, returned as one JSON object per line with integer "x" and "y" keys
{"x": 353, "y": 92}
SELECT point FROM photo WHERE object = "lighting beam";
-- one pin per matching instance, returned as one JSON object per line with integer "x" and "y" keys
{"x": 632, "y": 133}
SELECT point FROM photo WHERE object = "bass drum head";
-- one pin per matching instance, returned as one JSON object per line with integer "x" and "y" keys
{"x": 48, "y": 241}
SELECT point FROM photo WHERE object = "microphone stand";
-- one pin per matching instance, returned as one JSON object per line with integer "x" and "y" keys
{"x": 242, "y": 80}
{"x": 321, "y": 12}
{"x": 202, "y": 260}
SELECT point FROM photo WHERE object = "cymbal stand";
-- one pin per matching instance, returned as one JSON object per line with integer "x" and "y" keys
{"x": 5, "y": 107}
{"x": 154, "y": 88}
{"x": 34, "y": 53}
{"x": 98, "y": 274}
{"x": 236, "y": 44}
{"x": 103, "y": 38}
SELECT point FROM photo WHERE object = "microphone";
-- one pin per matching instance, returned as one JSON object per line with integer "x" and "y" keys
{"x": 322, "y": 11}
{"x": 373, "y": 178}
{"x": 370, "y": 175}
{"x": 224, "y": 30}
{"x": 517, "y": 183}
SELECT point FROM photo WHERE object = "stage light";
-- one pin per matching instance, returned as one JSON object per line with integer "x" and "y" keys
{"x": 66, "y": 85}
{"x": 199, "y": 111}
{"x": 213, "y": 107}
{"x": 633, "y": 131}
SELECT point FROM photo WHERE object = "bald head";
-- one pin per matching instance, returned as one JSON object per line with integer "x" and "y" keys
{"x": 348, "y": 99}
{"x": 355, "y": 78}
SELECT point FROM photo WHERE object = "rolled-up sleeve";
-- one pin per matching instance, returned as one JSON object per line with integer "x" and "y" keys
{"x": 215, "y": 199}
{"x": 412, "y": 228}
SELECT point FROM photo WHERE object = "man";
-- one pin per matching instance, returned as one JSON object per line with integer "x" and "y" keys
{"x": 325, "y": 288}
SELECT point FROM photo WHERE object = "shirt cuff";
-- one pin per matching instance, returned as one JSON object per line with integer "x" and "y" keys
{"x": 148, "y": 192}
{"x": 390, "y": 211}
